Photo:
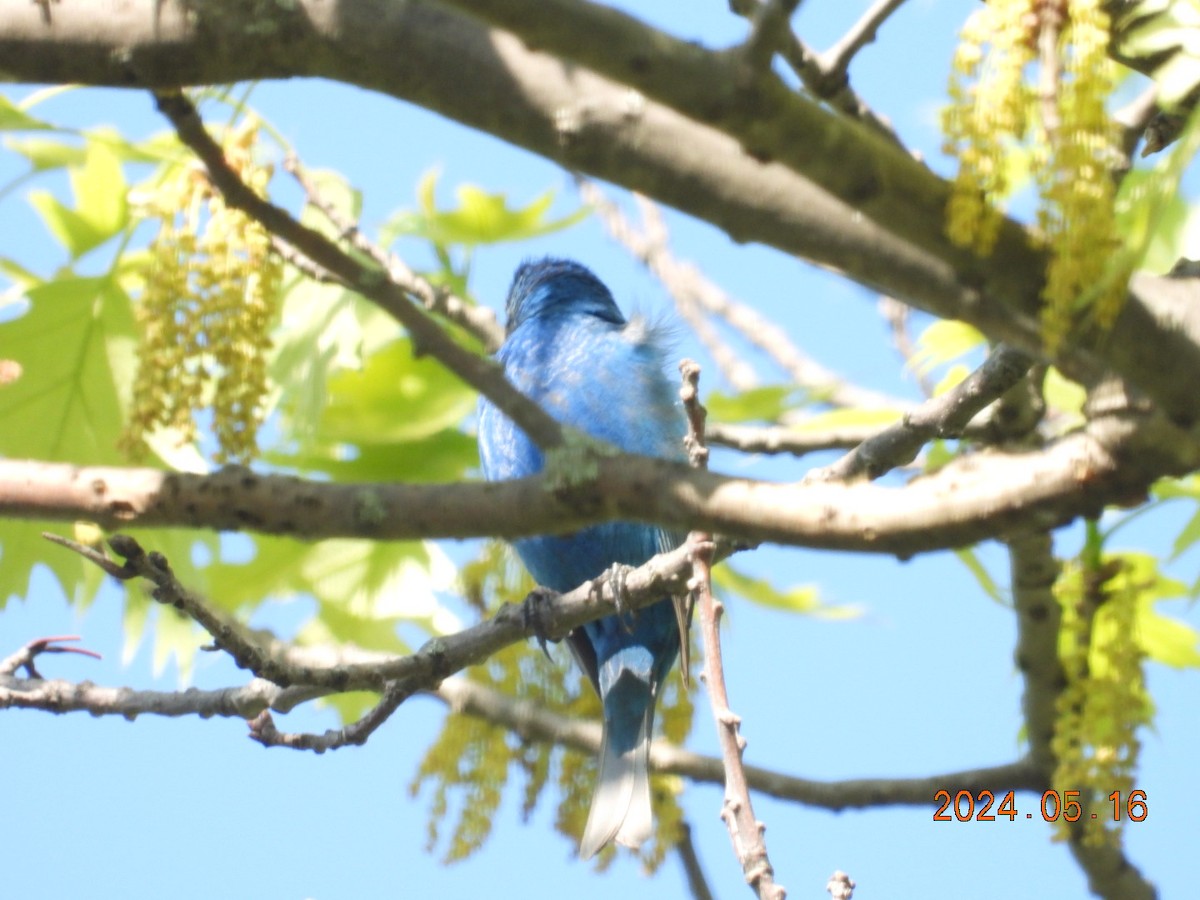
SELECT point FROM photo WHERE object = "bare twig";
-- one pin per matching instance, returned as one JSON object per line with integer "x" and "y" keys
{"x": 817, "y": 78}
{"x": 944, "y": 416}
{"x": 480, "y": 321}
{"x": 692, "y": 870}
{"x": 794, "y": 439}
{"x": 737, "y": 811}
{"x": 288, "y": 665}
{"x": 241, "y": 702}
{"x": 836, "y": 60}
{"x": 485, "y": 375}
{"x": 690, "y": 289}
{"x": 24, "y": 658}
{"x": 1134, "y": 119}
{"x": 263, "y": 730}
{"x": 895, "y": 314}
{"x": 529, "y": 721}
{"x": 1050, "y": 22}
{"x": 769, "y": 23}
{"x": 649, "y": 246}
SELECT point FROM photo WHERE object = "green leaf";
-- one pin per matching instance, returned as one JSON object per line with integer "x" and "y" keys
{"x": 76, "y": 234}
{"x": 954, "y": 376}
{"x": 22, "y": 549}
{"x": 323, "y": 328}
{"x": 1063, "y": 395}
{"x": 13, "y": 118}
{"x": 1160, "y": 228}
{"x": 943, "y": 341}
{"x": 1188, "y": 536}
{"x": 75, "y": 346}
{"x": 100, "y": 210}
{"x": 1166, "y": 640}
{"x": 363, "y": 588}
{"x": 442, "y": 457}
{"x": 796, "y": 599}
{"x": 100, "y": 189}
{"x": 850, "y": 418}
{"x": 395, "y": 397}
{"x": 479, "y": 218}
{"x": 1173, "y": 488}
{"x": 765, "y": 404}
{"x": 47, "y": 153}
{"x": 970, "y": 559}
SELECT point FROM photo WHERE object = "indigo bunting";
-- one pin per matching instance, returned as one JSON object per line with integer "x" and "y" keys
{"x": 568, "y": 348}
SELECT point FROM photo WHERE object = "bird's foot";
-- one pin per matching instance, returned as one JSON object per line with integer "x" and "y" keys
{"x": 533, "y": 610}
{"x": 616, "y": 577}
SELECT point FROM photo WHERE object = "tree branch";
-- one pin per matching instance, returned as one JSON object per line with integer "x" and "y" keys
{"x": 1113, "y": 460}
{"x": 737, "y": 809}
{"x": 690, "y": 288}
{"x": 836, "y": 60}
{"x": 591, "y": 124}
{"x": 945, "y": 416}
{"x": 287, "y": 665}
{"x": 528, "y": 720}
{"x": 478, "y": 320}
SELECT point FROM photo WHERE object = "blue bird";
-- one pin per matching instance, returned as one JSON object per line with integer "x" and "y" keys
{"x": 568, "y": 348}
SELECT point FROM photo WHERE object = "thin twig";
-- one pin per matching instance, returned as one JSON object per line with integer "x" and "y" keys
{"x": 24, "y": 658}
{"x": 690, "y": 288}
{"x": 818, "y": 80}
{"x": 737, "y": 811}
{"x": 768, "y": 25}
{"x": 794, "y": 439}
{"x": 692, "y": 869}
{"x": 263, "y": 730}
{"x": 1134, "y": 119}
{"x": 526, "y": 719}
{"x": 286, "y": 665}
{"x": 895, "y": 314}
{"x": 836, "y": 60}
{"x": 945, "y": 416}
{"x": 478, "y": 320}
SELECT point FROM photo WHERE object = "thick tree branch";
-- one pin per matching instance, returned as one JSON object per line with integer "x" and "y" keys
{"x": 1112, "y": 461}
{"x": 423, "y": 53}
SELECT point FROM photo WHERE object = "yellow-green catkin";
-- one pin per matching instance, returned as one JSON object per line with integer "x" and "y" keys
{"x": 206, "y": 309}
{"x": 1103, "y": 703}
{"x": 1032, "y": 77}
{"x": 988, "y": 103}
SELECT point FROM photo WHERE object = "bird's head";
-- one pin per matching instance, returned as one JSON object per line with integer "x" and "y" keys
{"x": 549, "y": 286}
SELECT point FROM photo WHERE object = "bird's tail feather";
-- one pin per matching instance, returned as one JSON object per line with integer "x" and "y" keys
{"x": 621, "y": 805}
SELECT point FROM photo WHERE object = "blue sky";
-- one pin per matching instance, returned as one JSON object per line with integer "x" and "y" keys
{"x": 922, "y": 682}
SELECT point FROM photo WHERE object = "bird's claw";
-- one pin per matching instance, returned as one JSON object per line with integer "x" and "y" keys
{"x": 532, "y": 615}
{"x": 616, "y": 576}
